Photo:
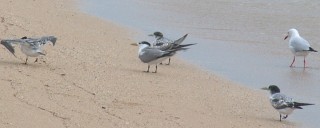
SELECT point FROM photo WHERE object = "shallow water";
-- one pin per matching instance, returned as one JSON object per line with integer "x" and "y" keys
{"x": 240, "y": 40}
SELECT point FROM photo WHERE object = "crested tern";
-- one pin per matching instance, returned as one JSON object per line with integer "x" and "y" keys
{"x": 164, "y": 43}
{"x": 152, "y": 55}
{"x": 31, "y": 47}
{"x": 283, "y": 104}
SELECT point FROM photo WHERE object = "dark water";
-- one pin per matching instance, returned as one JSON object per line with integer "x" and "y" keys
{"x": 240, "y": 40}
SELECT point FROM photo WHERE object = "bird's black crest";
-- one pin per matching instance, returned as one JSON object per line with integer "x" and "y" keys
{"x": 145, "y": 42}
{"x": 274, "y": 89}
{"x": 159, "y": 34}
{"x": 24, "y": 37}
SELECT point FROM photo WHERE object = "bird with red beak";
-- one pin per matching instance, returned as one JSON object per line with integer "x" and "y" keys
{"x": 298, "y": 46}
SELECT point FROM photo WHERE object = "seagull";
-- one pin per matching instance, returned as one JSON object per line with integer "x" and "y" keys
{"x": 283, "y": 104}
{"x": 164, "y": 43}
{"x": 154, "y": 56}
{"x": 298, "y": 45}
{"x": 31, "y": 47}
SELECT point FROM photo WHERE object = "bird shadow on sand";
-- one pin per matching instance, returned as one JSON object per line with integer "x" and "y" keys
{"x": 275, "y": 121}
{"x": 142, "y": 71}
{"x": 19, "y": 63}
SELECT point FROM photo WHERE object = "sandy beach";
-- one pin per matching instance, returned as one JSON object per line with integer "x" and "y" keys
{"x": 93, "y": 78}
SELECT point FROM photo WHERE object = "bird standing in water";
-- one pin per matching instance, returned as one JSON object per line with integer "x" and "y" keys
{"x": 298, "y": 46}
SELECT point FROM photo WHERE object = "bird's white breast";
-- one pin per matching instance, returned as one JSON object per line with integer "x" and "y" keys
{"x": 285, "y": 111}
{"x": 26, "y": 49}
{"x": 157, "y": 61}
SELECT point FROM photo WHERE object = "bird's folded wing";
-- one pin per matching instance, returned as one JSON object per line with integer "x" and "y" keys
{"x": 280, "y": 101}
{"x": 300, "y": 44}
{"x": 282, "y": 105}
{"x": 164, "y": 47}
{"x": 150, "y": 54}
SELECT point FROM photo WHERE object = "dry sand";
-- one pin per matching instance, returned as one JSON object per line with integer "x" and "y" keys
{"x": 88, "y": 82}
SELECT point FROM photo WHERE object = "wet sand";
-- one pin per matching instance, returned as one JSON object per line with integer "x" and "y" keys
{"x": 87, "y": 81}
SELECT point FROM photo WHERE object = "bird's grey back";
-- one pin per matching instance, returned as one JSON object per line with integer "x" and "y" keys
{"x": 162, "y": 41}
{"x": 164, "y": 47}
{"x": 43, "y": 40}
{"x": 299, "y": 44}
{"x": 280, "y": 101}
{"x": 149, "y": 54}
{"x": 166, "y": 44}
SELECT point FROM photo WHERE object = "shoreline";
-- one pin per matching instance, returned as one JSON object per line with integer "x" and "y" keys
{"x": 85, "y": 84}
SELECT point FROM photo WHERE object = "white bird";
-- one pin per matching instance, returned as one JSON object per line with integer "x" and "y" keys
{"x": 31, "y": 47}
{"x": 164, "y": 43}
{"x": 298, "y": 45}
{"x": 283, "y": 104}
{"x": 154, "y": 56}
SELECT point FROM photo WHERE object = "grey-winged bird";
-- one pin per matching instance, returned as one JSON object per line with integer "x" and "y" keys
{"x": 153, "y": 55}
{"x": 298, "y": 46}
{"x": 283, "y": 104}
{"x": 31, "y": 47}
{"x": 165, "y": 43}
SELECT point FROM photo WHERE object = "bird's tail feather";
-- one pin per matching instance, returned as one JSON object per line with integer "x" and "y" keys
{"x": 180, "y": 40}
{"x": 172, "y": 52}
{"x": 182, "y": 46}
{"x": 169, "y": 53}
{"x": 311, "y": 49}
{"x": 298, "y": 105}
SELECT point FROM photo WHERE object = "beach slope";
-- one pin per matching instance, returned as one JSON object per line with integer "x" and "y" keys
{"x": 92, "y": 78}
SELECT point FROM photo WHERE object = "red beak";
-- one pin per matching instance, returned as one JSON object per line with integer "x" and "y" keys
{"x": 285, "y": 37}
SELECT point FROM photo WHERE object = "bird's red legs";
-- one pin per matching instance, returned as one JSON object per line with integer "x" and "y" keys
{"x": 294, "y": 59}
{"x": 304, "y": 62}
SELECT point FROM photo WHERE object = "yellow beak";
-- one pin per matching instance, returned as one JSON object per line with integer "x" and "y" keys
{"x": 265, "y": 88}
{"x": 134, "y": 44}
